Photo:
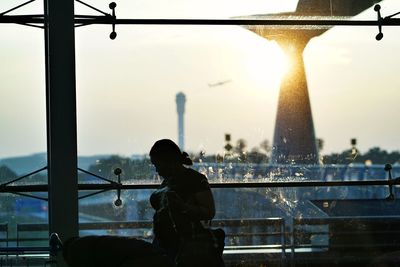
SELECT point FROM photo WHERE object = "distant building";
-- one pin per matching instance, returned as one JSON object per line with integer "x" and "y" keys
{"x": 180, "y": 108}
{"x": 294, "y": 136}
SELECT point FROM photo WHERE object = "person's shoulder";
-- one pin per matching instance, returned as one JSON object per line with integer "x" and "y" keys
{"x": 195, "y": 174}
{"x": 198, "y": 180}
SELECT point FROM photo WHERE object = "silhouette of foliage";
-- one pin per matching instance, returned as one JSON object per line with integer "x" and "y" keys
{"x": 265, "y": 146}
{"x": 256, "y": 156}
{"x": 374, "y": 155}
{"x": 239, "y": 154}
{"x": 143, "y": 169}
{"x": 131, "y": 168}
{"x": 6, "y": 174}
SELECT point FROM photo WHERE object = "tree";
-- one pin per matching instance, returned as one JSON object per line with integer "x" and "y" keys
{"x": 379, "y": 156}
{"x": 265, "y": 146}
{"x": 240, "y": 149}
{"x": 256, "y": 156}
{"x": 6, "y": 174}
{"x": 131, "y": 169}
{"x": 375, "y": 155}
{"x": 7, "y": 202}
{"x": 241, "y": 145}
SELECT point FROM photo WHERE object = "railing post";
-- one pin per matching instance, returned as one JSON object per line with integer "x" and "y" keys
{"x": 388, "y": 169}
{"x": 61, "y": 118}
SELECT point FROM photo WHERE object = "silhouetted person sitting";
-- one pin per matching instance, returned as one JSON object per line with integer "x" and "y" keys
{"x": 182, "y": 201}
{"x": 112, "y": 251}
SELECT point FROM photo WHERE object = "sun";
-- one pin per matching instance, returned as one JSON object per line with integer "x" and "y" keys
{"x": 266, "y": 65}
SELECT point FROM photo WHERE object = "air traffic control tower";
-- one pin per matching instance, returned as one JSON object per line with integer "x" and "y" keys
{"x": 180, "y": 108}
{"x": 294, "y": 136}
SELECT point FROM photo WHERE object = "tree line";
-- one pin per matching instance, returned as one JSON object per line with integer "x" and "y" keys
{"x": 238, "y": 153}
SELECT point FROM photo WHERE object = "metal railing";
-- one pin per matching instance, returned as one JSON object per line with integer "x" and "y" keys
{"x": 283, "y": 239}
{"x": 271, "y": 227}
{"x": 265, "y": 182}
{"x": 337, "y": 235}
{"x": 345, "y": 239}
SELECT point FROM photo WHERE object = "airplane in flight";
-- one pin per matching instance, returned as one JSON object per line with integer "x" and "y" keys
{"x": 219, "y": 83}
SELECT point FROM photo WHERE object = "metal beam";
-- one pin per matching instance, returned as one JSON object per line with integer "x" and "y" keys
{"x": 265, "y": 21}
{"x": 61, "y": 119}
{"x": 90, "y": 187}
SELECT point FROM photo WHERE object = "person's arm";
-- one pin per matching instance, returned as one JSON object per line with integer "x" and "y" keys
{"x": 201, "y": 207}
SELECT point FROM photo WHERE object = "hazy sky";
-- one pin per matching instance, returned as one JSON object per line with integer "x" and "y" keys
{"x": 126, "y": 88}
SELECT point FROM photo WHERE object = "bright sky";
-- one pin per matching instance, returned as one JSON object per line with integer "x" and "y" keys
{"x": 126, "y": 88}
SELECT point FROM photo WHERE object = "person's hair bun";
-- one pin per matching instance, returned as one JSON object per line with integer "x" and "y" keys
{"x": 185, "y": 159}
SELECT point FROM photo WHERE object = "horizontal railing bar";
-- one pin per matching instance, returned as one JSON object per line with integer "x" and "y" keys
{"x": 222, "y": 22}
{"x": 304, "y": 184}
{"x": 88, "y": 227}
{"x": 83, "y": 187}
{"x": 252, "y": 246}
{"x": 353, "y": 219}
{"x": 24, "y": 249}
{"x": 248, "y": 222}
{"x": 114, "y": 225}
{"x": 363, "y": 232}
{"x": 144, "y": 224}
{"x": 251, "y": 234}
{"x": 354, "y": 246}
{"x": 303, "y": 232}
{"x": 33, "y": 227}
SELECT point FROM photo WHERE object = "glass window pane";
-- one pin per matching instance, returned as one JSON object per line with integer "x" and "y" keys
{"x": 23, "y": 136}
{"x": 233, "y": 79}
{"x": 262, "y": 104}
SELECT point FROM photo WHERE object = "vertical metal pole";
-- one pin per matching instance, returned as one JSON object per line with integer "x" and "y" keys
{"x": 61, "y": 119}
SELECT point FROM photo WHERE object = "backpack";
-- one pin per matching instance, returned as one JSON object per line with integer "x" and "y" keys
{"x": 203, "y": 248}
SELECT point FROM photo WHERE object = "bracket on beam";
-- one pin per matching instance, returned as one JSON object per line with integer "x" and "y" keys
{"x": 5, "y": 186}
{"x": 112, "y": 17}
{"x": 381, "y": 21}
{"x": 114, "y": 185}
{"x": 113, "y": 34}
{"x": 23, "y": 20}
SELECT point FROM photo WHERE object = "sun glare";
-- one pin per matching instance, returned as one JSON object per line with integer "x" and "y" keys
{"x": 266, "y": 67}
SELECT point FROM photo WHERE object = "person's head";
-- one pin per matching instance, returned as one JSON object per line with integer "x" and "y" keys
{"x": 168, "y": 158}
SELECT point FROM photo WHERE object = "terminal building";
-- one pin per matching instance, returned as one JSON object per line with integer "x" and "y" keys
{"x": 290, "y": 211}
